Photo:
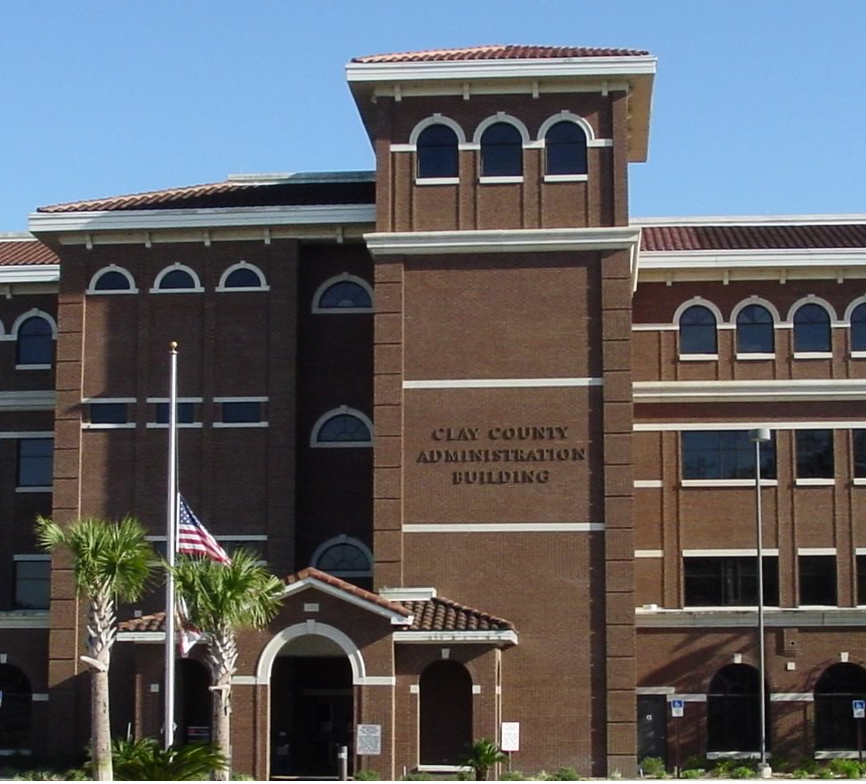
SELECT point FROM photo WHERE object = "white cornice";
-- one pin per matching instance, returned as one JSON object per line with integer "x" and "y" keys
{"x": 745, "y": 617}
{"x": 496, "y": 636}
{"x": 30, "y": 273}
{"x": 748, "y": 391}
{"x": 751, "y": 258}
{"x": 752, "y": 220}
{"x": 216, "y": 217}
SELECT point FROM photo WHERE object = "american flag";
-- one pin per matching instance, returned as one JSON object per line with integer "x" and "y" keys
{"x": 193, "y": 538}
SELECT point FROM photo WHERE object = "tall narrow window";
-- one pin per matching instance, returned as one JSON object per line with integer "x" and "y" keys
{"x": 446, "y": 713}
{"x": 32, "y": 583}
{"x": 814, "y": 454}
{"x": 858, "y": 328}
{"x": 35, "y": 462}
{"x": 755, "y": 333}
{"x": 858, "y": 439}
{"x": 436, "y": 150}
{"x": 698, "y": 331}
{"x": 565, "y": 149}
{"x": 812, "y": 329}
{"x": 733, "y": 710}
{"x": 501, "y": 151}
{"x": 817, "y": 579}
{"x": 35, "y": 342}
{"x": 835, "y": 725}
{"x": 16, "y": 711}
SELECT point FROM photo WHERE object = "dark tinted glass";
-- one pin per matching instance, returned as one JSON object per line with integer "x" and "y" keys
{"x": 817, "y": 579}
{"x": 733, "y": 710}
{"x": 17, "y": 708}
{"x": 836, "y": 729}
{"x": 185, "y": 413}
{"x": 344, "y": 427}
{"x": 112, "y": 281}
{"x": 344, "y": 557}
{"x": 726, "y": 582}
{"x": 242, "y": 411}
{"x": 698, "y": 331}
{"x": 812, "y": 329}
{"x": 108, "y": 413}
{"x": 35, "y": 462}
{"x": 177, "y": 279}
{"x": 755, "y": 334}
{"x": 243, "y": 279}
{"x": 858, "y": 438}
{"x": 858, "y": 328}
{"x": 565, "y": 149}
{"x": 814, "y": 454}
{"x": 345, "y": 294}
{"x": 35, "y": 342}
{"x": 32, "y": 585}
{"x": 437, "y": 152}
{"x": 725, "y": 454}
{"x": 501, "y": 151}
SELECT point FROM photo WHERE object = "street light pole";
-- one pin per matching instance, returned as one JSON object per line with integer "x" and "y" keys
{"x": 761, "y": 436}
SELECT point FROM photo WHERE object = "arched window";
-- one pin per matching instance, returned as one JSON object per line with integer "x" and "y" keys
{"x": 835, "y": 725}
{"x": 501, "y": 151}
{"x": 858, "y": 328}
{"x": 812, "y": 328}
{"x": 15, "y": 713}
{"x": 698, "y": 331}
{"x": 242, "y": 276}
{"x": 436, "y": 151}
{"x": 342, "y": 427}
{"x": 35, "y": 341}
{"x": 343, "y": 294}
{"x": 755, "y": 332}
{"x": 565, "y": 149}
{"x": 733, "y": 710}
{"x": 112, "y": 279}
{"x": 344, "y": 557}
{"x": 446, "y": 713}
{"x": 177, "y": 278}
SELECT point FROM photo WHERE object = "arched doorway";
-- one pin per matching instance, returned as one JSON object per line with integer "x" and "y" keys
{"x": 194, "y": 707}
{"x": 835, "y": 725}
{"x": 312, "y": 707}
{"x": 16, "y": 711}
{"x": 446, "y": 713}
{"x": 733, "y": 710}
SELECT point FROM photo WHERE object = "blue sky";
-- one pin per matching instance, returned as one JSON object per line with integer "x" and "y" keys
{"x": 759, "y": 104}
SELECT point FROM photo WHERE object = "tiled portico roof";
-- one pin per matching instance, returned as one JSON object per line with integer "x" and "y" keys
{"x": 442, "y": 615}
{"x": 25, "y": 251}
{"x": 498, "y": 52}
{"x": 349, "y": 588}
{"x": 146, "y": 623}
{"x": 754, "y": 237}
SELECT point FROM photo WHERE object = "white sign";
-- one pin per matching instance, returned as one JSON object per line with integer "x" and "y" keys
{"x": 369, "y": 740}
{"x": 859, "y": 707}
{"x": 677, "y": 707}
{"x": 510, "y": 736}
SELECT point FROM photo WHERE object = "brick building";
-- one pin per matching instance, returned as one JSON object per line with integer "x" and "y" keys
{"x": 554, "y": 522}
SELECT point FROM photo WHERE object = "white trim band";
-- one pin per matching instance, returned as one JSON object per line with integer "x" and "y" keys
{"x": 490, "y": 528}
{"x": 501, "y": 383}
{"x": 497, "y": 636}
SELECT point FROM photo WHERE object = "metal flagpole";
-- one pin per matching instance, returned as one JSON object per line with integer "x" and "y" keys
{"x": 171, "y": 548}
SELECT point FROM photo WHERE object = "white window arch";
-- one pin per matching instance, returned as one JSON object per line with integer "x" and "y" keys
{"x": 35, "y": 333}
{"x": 756, "y": 300}
{"x": 342, "y": 427}
{"x": 354, "y": 302}
{"x": 811, "y": 299}
{"x": 112, "y": 271}
{"x": 243, "y": 268}
{"x": 712, "y": 307}
{"x": 343, "y": 556}
{"x": 569, "y": 117}
{"x": 30, "y": 314}
{"x": 498, "y": 118}
{"x": 852, "y": 306}
{"x": 194, "y": 284}
{"x": 437, "y": 119}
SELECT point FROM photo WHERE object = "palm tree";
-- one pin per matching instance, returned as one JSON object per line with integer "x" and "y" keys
{"x": 221, "y": 599}
{"x": 112, "y": 562}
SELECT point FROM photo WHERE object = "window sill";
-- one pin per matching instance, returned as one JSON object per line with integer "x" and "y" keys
{"x": 699, "y": 357}
{"x": 107, "y": 425}
{"x": 35, "y": 489}
{"x": 437, "y": 180}
{"x": 164, "y": 425}
{"x": 95, "y": 293}
{"x": 728, "y": 483}
{"x": 858, "y": 355}
{"x": 503, "y": 180}
{"x": 859, "y": 481}
{"x": 33, "y": 367}
{"x": 199, "y": 290}
{"x": 815, "y": 482}
{"x": 443, "y": 769}
{"x": 566, "y": 177}
{"x": 340, "y": 311}
{"x": 240, "y": 424}
{"x": 240, "y": 289}
{"x": 817, "y": 607}
{"x": 836, "y": 754}
{"x": 746, "y": 755}
{"x": 754, "y": 356}
{"x": 342, "y": 445}
{"x": 725, "y": 608}
{"x": 813, "y": 355}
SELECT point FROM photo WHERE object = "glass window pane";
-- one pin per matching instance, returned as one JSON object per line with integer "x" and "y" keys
{"x": 177, "y": 279}
{"x": 817, "y": 579}
{"x": 565, "y": 149}
{"x": 709, "y": 454}
{"x": 242, "y": 411}
{"x": 858, "y": 438}
{"x": 437, "y": 152}
{"x": 345, "y": 294}
{"x": 858, "y": 328}
{"x": 812, "y": 329}
{"x": 814, "y": 454}
{"x": 243, "y": 279}
{"x": 35, "y": 462}
{"x": 35, "y": 342}
{"x": 344, "y": 428}
{"x": 755, "y": 333}
{"x": 112, "y": 281}
{"x": 108, "y": 413}
{"x": 32, "y": 584}
{"x": 501, "y": 151}
{"x": 698, "y": 331}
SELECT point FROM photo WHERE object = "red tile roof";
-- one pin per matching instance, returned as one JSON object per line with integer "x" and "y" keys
{"x": 146, "y": 623}
{"x": 25, "y": 251}
{"x": 754, "y": 237}
{"x": 230, "y": 194}
{"x": 442, "y": 615}
{"x": 349, "y": 588}
{"x": 498, "y": 52}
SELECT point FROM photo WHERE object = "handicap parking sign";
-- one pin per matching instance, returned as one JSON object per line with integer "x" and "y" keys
{"x": 677, "y": 708}
{"x": 859, "y": 707}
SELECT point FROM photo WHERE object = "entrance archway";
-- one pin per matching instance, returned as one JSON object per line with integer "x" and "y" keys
{"x": 446, "y": 713}
{"x": 194, "y": 706}
{"x": 16, "y": 733}
{"x": 734, "y": 709}
{"x": 835, "y": 725}
{"x": 312, "y": 707}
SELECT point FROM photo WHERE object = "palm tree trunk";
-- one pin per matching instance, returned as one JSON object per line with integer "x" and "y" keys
{"x": 101, "y": 726}
{"x": 223, "y": 654}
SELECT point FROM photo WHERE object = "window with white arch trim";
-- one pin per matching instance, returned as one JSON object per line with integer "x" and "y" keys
{"x": 177, "y": 279}
{"x": 112, "y": 280}
{"x": 344, "y": 556}
{"x": 35, "y": 333}
{"x": 342, "y": 427}
{"x": 243, "y": 276}
{"x": 343, "y": 294}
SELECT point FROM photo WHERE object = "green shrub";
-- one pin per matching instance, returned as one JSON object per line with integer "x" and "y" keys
{"x": 742, "y": 772}
{"x": 846, "y": 768}
{"x": 146, "y": 760}
{"x": 241, "y": 777}
{"x": 417, "y": 776}
{"x": 723, "y": 768}
{"x": 654, "y": 767}
{"x": 483, "y": 754}
{"x": 366, "y": 775}
{"x": 38, "y": 775}
{"x": 825, "y": 773}
{"x": 565, "y": 774}
{"x": 692, "y": 773}
{"x": 512, "y": 775}
{"x": 695, "y": 762}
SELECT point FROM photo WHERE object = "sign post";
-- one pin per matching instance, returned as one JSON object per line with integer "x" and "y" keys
{"x": 510, "y": 738}
{"x": 859, "y": 708}
{"x": 677, "y": 711}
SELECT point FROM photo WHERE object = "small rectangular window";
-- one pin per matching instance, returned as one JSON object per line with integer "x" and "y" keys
{"x": 32, "y": 584}
{"x": 35, "y": 462}
{"x": 725, "y": 454}
{"x": 814, "y": 454}
{"x": 817, "y": 579}
{"x": 242, "y": 411}
{"x": 185, "y": 413}
{"x": 861, "y": 579}
{"x": 108, "y": 413}
{"x": 729, "y": 581}
{"x": 858, "y": 440}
